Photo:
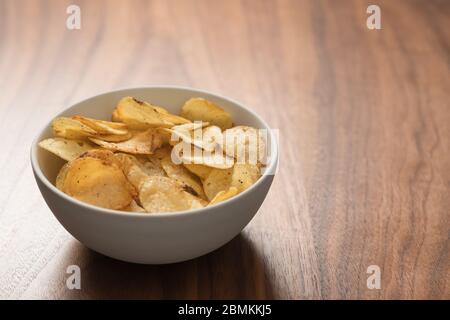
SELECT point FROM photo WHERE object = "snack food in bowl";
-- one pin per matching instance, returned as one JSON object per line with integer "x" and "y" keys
{"x": 149, "y": 160}
{"x": 156, "y": 174}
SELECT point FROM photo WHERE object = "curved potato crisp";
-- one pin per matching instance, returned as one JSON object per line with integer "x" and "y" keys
{"x": 62, "y": 176}
{"x": 244, "y": 176}
{"x": 134, "y": 207}
{"x": 207, "y": 138}
{"x": 96, "y": 182}
{"x": 217, "y": 180}
{"x": 244, "y": 143}
{"x": 71, "y": 129}
{"x": 66, "y": 149}
{"x": 183, "y": 176}
{"x": 114, "y": 137}
{"x": 137, "y": 171}
{"x": 141, "y": 115}
{"x": 204, "y": 110}
{"x": 102, "y": 126}
{"x": 161, "y": 194}
{"x": 223, "y": 195}
{"x": 199, "y": 170}
{"x": 190, "y": 126}
{"x": 142, "y": 143}
{"x": 188, "y": 154}
{"x": 241, "y": 176}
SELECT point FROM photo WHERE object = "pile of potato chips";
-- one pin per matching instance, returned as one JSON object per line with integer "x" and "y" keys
{"x": 149, "y": 160}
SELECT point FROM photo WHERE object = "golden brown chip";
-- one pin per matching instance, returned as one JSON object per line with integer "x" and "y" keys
{"x": 182, "y": 175}
{"x": 217, "y": 180}
{"x": 134, "y": 207}
{"x": 166, "y": 136}
{"x": 105, "y": 155}
{"x": 62, "y": 176}
{"x": 137, "y": 170}
{"x": 208, "y": 138}
{"x": 97, "y": 182}
{"x": 199, "y": 170}
{"x": 103, "y": 127}
{"x": 142, "y": 143}
{"x": 191, "y": 126}
{"x": 240, "y": 176}
{"x": 244, "y": 175}
{"x": 160, "y": 153}
{"x": 172, "y": 118}
{"x": 154, "y": 160}
{"x": 66, "y": 149}
{"x": 189, "y": 154}
{"x": 161, "y": 194}
{"x": 212, "y": 138}
{"x": 114, "y": 137}
{"x": 141, "y": 115}
{"x": 184, "y": 132}
{"x": 71, "y": 129}
{"x": 152, "y": 167}
{"x": 223, "y": 195}
{"x": 246, "y": 144}
{"x": 204, "y": 110}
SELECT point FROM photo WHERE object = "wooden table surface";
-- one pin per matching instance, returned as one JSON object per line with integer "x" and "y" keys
{"x": 364, "y": 120}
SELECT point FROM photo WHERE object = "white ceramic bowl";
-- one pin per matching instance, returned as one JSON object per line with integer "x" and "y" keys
{"x": 159, "y": 237}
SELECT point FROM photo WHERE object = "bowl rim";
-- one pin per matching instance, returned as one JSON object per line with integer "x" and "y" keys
{"x": 269, "y": 170}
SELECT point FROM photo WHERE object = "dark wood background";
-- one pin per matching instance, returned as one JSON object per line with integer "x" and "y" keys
{"x": 364, "y": 120}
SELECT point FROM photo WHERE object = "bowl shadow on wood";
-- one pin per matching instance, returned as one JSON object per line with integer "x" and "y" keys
{"x": 234, "y": 271}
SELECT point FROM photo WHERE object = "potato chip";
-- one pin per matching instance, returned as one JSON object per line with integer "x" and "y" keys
{"x": 244, "y": 176}
{"x": 240, "y": 176}
{"x": 188, "y": 154}
{"x": 208, "y": 138}
{"x": 97, "y": 182}
{"x": 212, "y": 136}
{"x": 166, "y": 136}
{"x": 62, "y": 176}
{"x": 204, "y": 110}
{"x": 102, "y": 126}
{"x": 114, "y": 137}
{"x": 105, "y": 155}
{"x": 182, "y": 175}
{"x": 161, "y": 194}
{"x": 71, "y": 129}
{"x": 160, "y": 153}
{"x": 142, "y": 143}
{"x": 154, "y": 160}
{"x": 199, "y": 170}
{"x": 152, "y": 167}
{"x": 142, "y": 115}
{"x": 172, "y": 117}
{"x": 217, "y": 180}
{"x": 134, "y": 207}
{"x": 138, "y": 170}
{"x": 182, "y": 131}
{"x": 66, "y": 149}
{"x": 136, "y": 176}
{"x": 223, "y": 195}
{"x": 246, "y": 144}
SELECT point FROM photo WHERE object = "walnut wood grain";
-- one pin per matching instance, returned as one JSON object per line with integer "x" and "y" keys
{"x": 364, "y": 120}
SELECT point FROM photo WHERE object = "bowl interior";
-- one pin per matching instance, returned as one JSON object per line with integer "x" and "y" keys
{"x": 171, "y": 98}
